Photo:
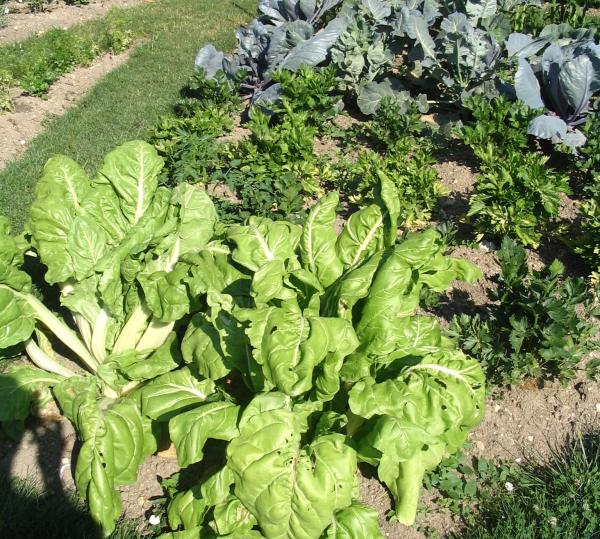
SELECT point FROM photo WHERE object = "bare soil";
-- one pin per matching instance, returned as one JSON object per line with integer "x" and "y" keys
{"x": 57, "y": 14}
{"x": 20, "y": 127}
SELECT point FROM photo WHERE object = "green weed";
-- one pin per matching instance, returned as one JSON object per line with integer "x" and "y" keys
{"x": 533, "y": 328}
{"x": 559, "y": 497}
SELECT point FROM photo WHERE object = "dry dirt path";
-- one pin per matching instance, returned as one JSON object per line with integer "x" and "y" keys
{"x": 20, "y": 127}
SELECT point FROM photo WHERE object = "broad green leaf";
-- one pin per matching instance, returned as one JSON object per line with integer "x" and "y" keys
{"x": 418, "y": 248}
{"x": 167, "y": 293}
{"x": 292, "y": 493}
{"x": 293, "y": 345}
{"x": 187, "y": 509}
{"x": 165, "y": 359}
{"x": 19, "y": 386}
{"x": 231, "y": 516}
{"x": 87, "y": 243}
{"x": 50, "y": 221}
{"x": 101, "y": 205}
{"x": 417, "y": 29}
{"x": 190, "y": 430}
{"x": 197, "y": 217}
{"x": 201, "y": 346}
{"x": 444, "y": 394}
{"x": 132, "y": 170}
{"x": 265, "y": 402}
{"x": 393, "y": 293}
{"x": 362, "y": 236}
{"x": 17, "y": 320}
{"x": 67, "y": 390}
{"x": 317, "y": 246}
{"x": 351, "y": 287}
{"x": 216, "y": 488}
{"x": 94, "y": 477}
{"x": 64, "y": 178}
{"x": 355, "y": 522}
{"x": 267, "y": 283}
{"x": 263, "y": 240}
{"x": 11, "y": 260}
{"x": 173, "y": 393}
{"x": 404, "y": 479}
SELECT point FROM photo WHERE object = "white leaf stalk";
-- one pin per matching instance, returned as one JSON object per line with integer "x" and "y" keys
{"x": 132, "y": 330}
{"x": 44, "y": 361}
{"x": 99, "y": 335}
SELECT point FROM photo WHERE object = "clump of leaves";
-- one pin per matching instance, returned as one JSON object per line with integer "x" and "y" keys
{"x": 205, "y": 93}
{"x": 588, "y": 245}
{"x": 532, "y": 19}
{"x": 500, "y": 122}
{"x": 587, "y": 160}
{"x": 189, "y": 145}
{"x": 274, "y": 169}
{"x": 392, "y": 128}
{"x": 6, "y": 84}
{"x": 461, "y": 485}
{"x": 515, "y": 194}
{"x": 312, "y": 90}
{"x": 558, "y": 497}
{"x": 534, "y": 329}
{"x": 416, "y": 181}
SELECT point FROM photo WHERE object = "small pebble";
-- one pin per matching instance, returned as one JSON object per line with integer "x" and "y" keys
{"x": 154, "y": 520}
{"x": 518, "y": 461}
{"x": 598, "y": 407}
{"x": 530, "y": 438}
{"x": 141, "y": 500}
{"x": 480, "y": 446}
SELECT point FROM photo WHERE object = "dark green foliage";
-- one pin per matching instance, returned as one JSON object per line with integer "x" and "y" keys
{"x": 588, "y": 245}
{"x": 516, "y": 195}
{"x": 559, "y": 498}
{"x": 460, "y": 484}
{"x": 587, "y": 162}
{"x": 502, "y": 123}
{"x": 189, "y": 145}
{"x": 389, "y": 129}
{"x": 531, "y": 19}
{"x": 209, "y": 93}
{"x": 310, "y": 90}
{"x": 417, "y": 182}
{"x": 533, "y": 327}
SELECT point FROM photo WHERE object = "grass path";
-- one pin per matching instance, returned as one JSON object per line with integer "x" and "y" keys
{"x": 128, "y": 101}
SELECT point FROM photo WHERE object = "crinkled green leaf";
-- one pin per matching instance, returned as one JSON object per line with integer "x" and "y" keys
{"x": 132, "y": 170}
{"x": 173, "y": 393}
{"x": 317, "y": 246}
{"x": 231, "y": 516}
{"x": 362, "y": 236}
{"x": 217, "y": 487}
{"x": 263, "y": 240}
{"x": 190, "y": 430}
{"x": 187, "y": 509}
{"x": 291, "y": 492}
{"x": 355, "y": 522}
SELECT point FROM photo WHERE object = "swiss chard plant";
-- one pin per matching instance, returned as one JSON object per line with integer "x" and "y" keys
{"x": 324, "y": 363}
{"x": 570, "y": 76}
{"x": 534, "y": 327}
{"x": 111, "y": 244}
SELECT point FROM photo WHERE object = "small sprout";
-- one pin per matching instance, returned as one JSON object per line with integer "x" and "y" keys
{"x": 553, "y": 521}
{"x": 509, "y": 486}
{"x": 154, "y": 520}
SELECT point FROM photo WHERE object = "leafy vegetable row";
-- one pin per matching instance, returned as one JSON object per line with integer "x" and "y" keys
{"x": 299, "y": 348}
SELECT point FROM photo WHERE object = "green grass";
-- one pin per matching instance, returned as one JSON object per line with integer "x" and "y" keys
{"x": 28, "y": 512}
{"x": 129, "y": 100}
{"x": 558, "y": 499}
